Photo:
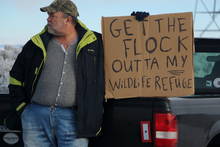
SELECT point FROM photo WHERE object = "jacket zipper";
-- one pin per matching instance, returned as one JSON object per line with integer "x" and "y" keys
{"x": 36, "y": 75}
{"x": 99, "y": 131}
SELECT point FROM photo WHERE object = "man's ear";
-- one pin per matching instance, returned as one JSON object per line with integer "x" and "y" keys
{"x": 69, "y": 20}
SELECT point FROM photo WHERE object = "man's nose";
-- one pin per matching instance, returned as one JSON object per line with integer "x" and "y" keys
{"x": 48, "y": 19}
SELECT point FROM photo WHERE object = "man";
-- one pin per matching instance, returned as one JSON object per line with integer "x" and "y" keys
{"x": 58, "y": 78}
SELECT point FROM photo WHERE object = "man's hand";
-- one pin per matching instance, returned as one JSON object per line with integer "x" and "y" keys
{"x": 140, "y": 15}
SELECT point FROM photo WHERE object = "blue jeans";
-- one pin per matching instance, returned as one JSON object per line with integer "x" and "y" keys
{"x": 45, "y": 126}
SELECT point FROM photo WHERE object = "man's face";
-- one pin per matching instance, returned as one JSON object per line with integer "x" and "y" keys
{"x": 56, "y": 23}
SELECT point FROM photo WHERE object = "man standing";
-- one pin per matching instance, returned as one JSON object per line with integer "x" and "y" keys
{"x": 58, "y": 78}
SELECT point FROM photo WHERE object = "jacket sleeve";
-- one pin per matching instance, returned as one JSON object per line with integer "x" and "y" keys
{"x": 100, "y": 68}
{"x": 16, "y": 79}
{"x": 100, "y": 81}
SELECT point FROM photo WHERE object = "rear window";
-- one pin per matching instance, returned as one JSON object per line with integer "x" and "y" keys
{"x": 207, "y": 68}
{"x": 204, "y": 63}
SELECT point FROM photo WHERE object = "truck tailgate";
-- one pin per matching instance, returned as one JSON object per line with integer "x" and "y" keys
{"x": 122, "y": 124}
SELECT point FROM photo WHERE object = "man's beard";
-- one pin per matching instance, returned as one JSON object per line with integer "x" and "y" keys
{"x": 54, "y": 32}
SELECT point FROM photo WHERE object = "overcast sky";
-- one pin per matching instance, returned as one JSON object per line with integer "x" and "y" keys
{"x": 21, "y": 19}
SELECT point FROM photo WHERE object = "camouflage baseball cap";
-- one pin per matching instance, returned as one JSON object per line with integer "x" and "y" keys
{"x": 65, "y": 6}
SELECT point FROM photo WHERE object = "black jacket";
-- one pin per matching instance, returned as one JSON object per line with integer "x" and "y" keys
{"x": 27, "y": 68}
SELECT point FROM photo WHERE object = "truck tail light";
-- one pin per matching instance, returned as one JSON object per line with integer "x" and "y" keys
{"x": 165, "y": 130}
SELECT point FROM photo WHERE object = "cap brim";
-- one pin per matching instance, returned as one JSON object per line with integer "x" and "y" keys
{"x": 45, "y": 9}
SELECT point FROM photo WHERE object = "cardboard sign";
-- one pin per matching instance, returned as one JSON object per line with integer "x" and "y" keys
{"x": 151, "y": 58}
